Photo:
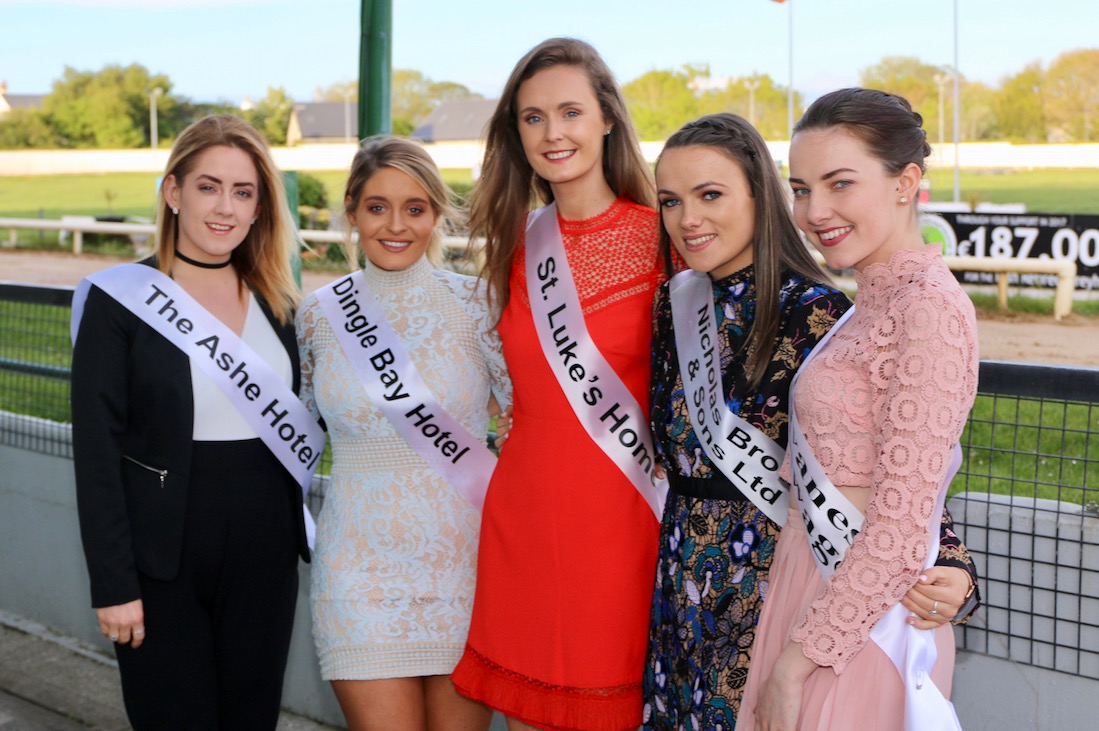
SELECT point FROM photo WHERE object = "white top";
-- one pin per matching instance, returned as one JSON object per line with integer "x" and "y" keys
{"x": 216, "y": 419}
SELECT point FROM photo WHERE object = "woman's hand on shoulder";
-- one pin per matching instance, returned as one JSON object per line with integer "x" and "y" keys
{"x": 503, "y": 426}
{"x": 123, "y": 623}
{"x": 937, "y": 596}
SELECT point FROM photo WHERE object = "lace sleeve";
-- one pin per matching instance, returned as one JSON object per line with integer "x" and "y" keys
{"x": 305, "y": 326}
{"x": 473, "y": 293}
{"x": 923, "y": 378}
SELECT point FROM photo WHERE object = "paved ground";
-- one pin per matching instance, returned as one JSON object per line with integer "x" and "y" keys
{"x": 50, "y": 683}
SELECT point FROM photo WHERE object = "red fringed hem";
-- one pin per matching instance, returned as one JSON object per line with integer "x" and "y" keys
{"x": 543, "y": 705}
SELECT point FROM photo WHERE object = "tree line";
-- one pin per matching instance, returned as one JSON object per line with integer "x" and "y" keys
{"x": 1059, "y": 103}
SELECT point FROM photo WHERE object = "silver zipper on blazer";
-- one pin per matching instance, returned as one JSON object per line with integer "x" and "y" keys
{"x": 163, "y": 473}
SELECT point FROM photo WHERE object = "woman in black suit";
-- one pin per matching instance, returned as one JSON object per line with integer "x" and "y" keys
{"x": 191, "y": 525}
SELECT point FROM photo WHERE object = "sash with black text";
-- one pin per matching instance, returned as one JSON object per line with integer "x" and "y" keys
{"x": 831, "y": 524}
{"x": 601, "y": 401}
{"x": 745, "y": 455}
{"x": 393, "y": 384}
{"x": 268, "y": 405}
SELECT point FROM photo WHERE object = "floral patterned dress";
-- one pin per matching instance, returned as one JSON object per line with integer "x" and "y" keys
{"x": 715, "y": 555}
{"x": 716, "y": 552}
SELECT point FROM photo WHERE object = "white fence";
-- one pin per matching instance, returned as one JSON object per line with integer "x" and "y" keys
{"x": 140, "y": 233}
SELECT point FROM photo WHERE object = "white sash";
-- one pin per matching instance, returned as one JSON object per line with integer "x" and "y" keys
{"x": 831, "y": 523}
{"x": 745, "y": 455}
{"x": 393, "y": 384}
{"x": 267, "y": 404}
{"x": 605, "y": 407}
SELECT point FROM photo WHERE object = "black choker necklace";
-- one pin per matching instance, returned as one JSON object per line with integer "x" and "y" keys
{"x": 202, "y": 264}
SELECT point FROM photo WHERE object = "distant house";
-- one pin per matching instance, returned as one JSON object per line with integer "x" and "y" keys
{"x": 323, "y": 122}
{"x": 9, "y": 102}
{"x": 456, "y": 121}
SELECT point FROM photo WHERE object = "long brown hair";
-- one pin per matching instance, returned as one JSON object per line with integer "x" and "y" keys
{"x": 262, "y": 260}
{"x": 508, "y": 187}
{"x": 776, "y": 245}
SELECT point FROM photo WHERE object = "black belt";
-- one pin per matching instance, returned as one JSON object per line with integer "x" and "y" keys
{"x": 715, "y": 487}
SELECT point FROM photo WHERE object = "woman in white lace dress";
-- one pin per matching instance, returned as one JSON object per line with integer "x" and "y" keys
{"x": 395, "y": 562}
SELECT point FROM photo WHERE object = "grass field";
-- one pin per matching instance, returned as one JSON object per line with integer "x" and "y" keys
{"x": 1043, "y": 191}
{"x": 1030, "y": 448}
{"x": 133, "y": 194}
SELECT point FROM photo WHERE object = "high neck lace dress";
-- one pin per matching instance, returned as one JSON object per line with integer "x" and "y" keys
{"x": 568, "y": 546}
{"x": 882, "y": 406}
{"x": 395, "y": 561}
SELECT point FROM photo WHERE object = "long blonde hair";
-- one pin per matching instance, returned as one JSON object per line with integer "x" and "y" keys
{"x": 412, "y": 160}
{"x": 262, "y": 260}
{"x": 508, "y": 187}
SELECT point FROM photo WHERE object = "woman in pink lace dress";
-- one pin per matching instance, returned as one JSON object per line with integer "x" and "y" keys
{"x": 881, "y": 405}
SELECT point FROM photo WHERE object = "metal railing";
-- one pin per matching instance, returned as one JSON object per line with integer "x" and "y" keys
{"x": 1025, "y": 500}
{"x": 139, "y": 233}
{"x": 1027, "y": 505}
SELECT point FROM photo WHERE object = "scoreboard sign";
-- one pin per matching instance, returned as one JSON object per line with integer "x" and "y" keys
{"x": 1021, "y": 236}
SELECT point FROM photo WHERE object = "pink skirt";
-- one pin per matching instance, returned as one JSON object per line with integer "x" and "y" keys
{"x": 869, "y": 694}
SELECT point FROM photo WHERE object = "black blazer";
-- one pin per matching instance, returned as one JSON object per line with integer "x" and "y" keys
{"x": 132, "y": 400}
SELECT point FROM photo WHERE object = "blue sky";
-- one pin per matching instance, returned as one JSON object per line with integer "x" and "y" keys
{"x": 223, "y": 50}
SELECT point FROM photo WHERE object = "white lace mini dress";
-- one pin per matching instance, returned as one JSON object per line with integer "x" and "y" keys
{"x": 394, "y": 568}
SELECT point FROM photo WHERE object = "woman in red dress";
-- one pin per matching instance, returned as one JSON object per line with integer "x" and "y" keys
{"x": 568, "y": 541}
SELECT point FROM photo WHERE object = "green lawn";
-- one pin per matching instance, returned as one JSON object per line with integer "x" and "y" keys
{"x": 1030, "y": 448}
{"x": 34, "y": 342}
{"x": 122, "y": 194}
{"x": 133, "y": 194}
{"x": 1043, "y": 191}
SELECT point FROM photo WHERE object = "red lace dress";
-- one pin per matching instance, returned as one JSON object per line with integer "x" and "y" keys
{"x": 568, "y": 547}
{"x": 882, "y": 406}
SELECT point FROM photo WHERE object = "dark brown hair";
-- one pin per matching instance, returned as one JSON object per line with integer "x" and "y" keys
{"x": 776, "y": 244}
{"x": 884, "y": 122}
{"x": 508, "y": 187}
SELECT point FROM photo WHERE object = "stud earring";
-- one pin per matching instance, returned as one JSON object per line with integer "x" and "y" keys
{"x": 904, "y": 199}
{"x": 607, "y": 132}
{"x": 175, "y": 210}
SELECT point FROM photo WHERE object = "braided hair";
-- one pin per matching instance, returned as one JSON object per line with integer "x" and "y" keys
{"x": 777, "y": 247}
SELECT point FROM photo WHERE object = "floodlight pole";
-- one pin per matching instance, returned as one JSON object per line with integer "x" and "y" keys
{"x": 154, "y": 132}
{"x": 957, "y": 111}
{"x": 375, "y": 68}
{"x": 790, "y": 90}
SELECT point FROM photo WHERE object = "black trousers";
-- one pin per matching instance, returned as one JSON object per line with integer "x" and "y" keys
{"x": 217, "y": 636}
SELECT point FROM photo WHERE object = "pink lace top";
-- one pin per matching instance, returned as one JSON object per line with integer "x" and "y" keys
{"x": 883, "y": 406}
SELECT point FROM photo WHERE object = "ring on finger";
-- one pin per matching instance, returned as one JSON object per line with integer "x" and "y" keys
{"x": 138, "y": 632}
{"x": 114, "y": 638}
{"x": 934, "y": 609}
